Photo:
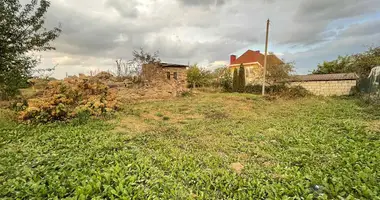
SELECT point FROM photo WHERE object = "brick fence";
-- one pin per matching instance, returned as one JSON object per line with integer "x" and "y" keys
{"x": 328, "y": 88}
{"x": 326, "y": 84}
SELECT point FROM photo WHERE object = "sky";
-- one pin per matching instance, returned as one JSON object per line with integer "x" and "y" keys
{"x": 307, "y": 32}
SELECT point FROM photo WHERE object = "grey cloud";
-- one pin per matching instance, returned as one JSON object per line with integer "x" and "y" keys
{"x": 90, "y": 35}
{"x": 203, "y": 2}
{"x": 126, "y": 8}
{"x": 328, "y": 9}
{"x": 312, "y": 17}
{"x": 363, "y": 29}
{"x": 308, "y": 60}
{"x": 94, "y": 35}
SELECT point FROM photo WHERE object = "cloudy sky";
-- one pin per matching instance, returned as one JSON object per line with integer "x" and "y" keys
{"x": 95, "y": 33}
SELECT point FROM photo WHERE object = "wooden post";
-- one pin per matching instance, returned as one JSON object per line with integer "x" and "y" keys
{"x": 265, "y": 58}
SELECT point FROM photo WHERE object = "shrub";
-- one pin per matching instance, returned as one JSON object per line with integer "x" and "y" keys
{"x": 235, "y": 81}
{"x": 186, "y": 94}
{"x": 198, "y": 77}
{"x": 105, "y": 76}
{"x": 241, "y": 84}
{"x": 294, "y": 92}
{"x": 82, "y": 117}
{"x": 63, "y": 100}
{"x": 226, "y": 81}
{"x": 279, "y": 90}
{"x": 254, "y": 89}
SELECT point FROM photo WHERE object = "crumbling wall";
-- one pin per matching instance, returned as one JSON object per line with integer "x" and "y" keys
{"x": 168, "y": 80}
{"x": 154, "y": 83}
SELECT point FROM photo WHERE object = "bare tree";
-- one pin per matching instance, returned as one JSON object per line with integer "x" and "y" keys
{"x": 134, "y": 67}
{"x": 143, "y": 57}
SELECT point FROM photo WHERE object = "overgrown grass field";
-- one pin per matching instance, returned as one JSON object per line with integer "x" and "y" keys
{"x": 188, "y": 148}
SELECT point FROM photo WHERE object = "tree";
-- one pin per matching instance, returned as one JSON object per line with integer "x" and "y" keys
{"x": 224, "y": 78}
{"x": 197, "y": 76}
{"x": 235, "y": 81}
{"x": 21, "y": 32}
{"x": 342, "y": 64}
{"x": 360, "y": 63}
{"x": 141, "y": 57}
{"x": 241, "y": 78}
{"x": 364, "y": 62}
{"x": 194, "y": 75}
{"x": 279, "y": 72}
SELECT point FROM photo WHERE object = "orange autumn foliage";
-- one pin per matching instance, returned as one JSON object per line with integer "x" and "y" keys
{"x": 63, "y": 100}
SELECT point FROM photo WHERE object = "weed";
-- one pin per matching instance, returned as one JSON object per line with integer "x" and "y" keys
{"x": 159, "y": 114}
{"x": 186, "y": 94}
{"x": 215, "y": 114}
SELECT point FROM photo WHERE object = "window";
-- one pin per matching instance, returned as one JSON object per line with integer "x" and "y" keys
{"x": 175, "y": 76}
{"x": 249, "y": 72}
{"x": 168, "y": 75}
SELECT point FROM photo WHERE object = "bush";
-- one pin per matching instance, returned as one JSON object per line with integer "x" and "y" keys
{"x": 279, "y": 90}
{"x": 186, "y": 94}
{"x": 235, "y": 81}
{"x": 105, "y": 76}
{"x": 198, "y": 77}
{"x": 70, "y": 98}
{"x": 294, "y": 92}
{"x": 226, "y": 81}
{"x": 254, "y": 89}
{"x": 241, "y": 82}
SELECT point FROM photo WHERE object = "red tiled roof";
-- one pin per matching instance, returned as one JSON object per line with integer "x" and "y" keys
{"x": 255, "y": 56}
{"x": 248, "y": 57}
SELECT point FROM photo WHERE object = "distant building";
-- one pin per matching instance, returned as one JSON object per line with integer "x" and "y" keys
{"x": 253, "y": 62}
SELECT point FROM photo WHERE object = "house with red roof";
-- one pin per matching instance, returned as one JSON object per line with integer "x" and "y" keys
{"x": 253, "y": 62}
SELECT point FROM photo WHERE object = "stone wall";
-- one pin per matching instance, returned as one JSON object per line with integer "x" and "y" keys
{"x": 181, "y": 80}
{"x": 328, "y": 88}
{"x": 158, "y": 80}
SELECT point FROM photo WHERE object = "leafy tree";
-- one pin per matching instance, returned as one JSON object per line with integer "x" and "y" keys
{"x": 279, "y": 72}
{"x": 235, "y": 81}
{"x": 194, "y": 75}
{"x": 342, "y": 64}
{"x": 364, "y": 62}
{"x": 219, "y": 72}
{"x": 241, "y": 78}
{"x": 21, "y": 32}
{"x": 224, "y": 78}
{"x": 197, "y": 76}
{"x": 360, "y": 63}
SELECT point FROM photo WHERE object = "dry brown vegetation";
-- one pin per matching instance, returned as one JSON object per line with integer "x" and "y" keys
{"x": 62, "y": 100}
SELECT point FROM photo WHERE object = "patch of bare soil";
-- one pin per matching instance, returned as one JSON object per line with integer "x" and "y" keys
{"x": 172, "y": 118}
{"x": 237, "y": 167}
{"x": 132, "y": 125}
{"x": 373, "y": 126}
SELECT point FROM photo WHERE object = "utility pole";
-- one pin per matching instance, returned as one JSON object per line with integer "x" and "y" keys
{"x": 265, "y": 58}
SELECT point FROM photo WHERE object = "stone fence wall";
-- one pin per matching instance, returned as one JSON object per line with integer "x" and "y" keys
{"x": 328, "y": 88}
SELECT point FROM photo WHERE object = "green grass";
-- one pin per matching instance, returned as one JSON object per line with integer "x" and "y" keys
{"x": 312, "y": 148}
